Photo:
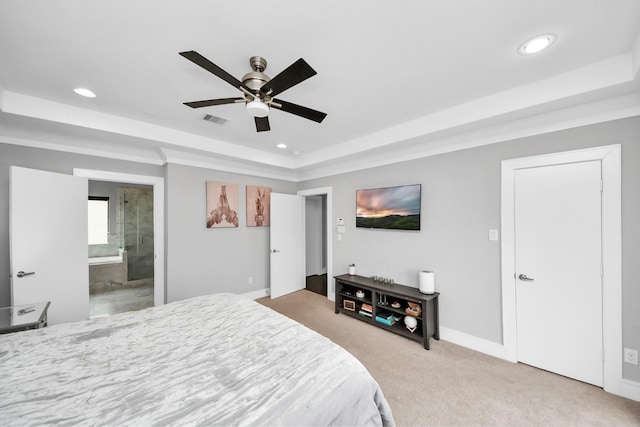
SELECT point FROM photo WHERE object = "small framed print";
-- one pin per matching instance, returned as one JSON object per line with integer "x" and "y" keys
{"x": 258, "y": 206}
{"x": 349, "y": 305}
{"x": 222, "y": 205}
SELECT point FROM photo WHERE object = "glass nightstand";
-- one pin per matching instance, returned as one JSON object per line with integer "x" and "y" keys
{"x": 23, "y": 317}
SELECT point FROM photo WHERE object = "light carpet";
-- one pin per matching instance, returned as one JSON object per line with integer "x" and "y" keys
{"x": 450, "y": 385}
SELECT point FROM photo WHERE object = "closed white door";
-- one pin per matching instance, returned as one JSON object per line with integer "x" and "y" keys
{"x": 558, "y": 269}
{"x": 287, "y": 244}
{"x": 48, "y": 242}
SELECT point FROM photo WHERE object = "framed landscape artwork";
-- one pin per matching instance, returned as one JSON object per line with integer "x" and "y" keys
{"x": 258, "y": 206}
{"x": 222, "y": 205}
{"x": 394, "y": 208}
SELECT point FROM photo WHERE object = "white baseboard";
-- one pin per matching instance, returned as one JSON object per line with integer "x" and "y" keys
{"x": 629, "y": 389}
{"x": 626, "y": 388}
{"x": 474, "y": 343}
{"x": 257, "y": 294}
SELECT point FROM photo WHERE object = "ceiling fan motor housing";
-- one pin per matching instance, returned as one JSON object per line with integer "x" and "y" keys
{"x": 256, "y": 79}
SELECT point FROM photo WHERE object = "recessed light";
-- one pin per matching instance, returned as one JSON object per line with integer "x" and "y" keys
{"x": 84, "y": 92}
{"x": 537, "y": 44}
{"x": 281, "y": 145}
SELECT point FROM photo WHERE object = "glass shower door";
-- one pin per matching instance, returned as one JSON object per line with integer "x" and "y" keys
{"x": 137, "y": 229}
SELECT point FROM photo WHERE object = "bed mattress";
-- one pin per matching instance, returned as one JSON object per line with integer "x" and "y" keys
{"x": 220, "y": 359}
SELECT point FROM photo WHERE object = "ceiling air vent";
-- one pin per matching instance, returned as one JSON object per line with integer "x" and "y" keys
{"x": 214, "y": 119}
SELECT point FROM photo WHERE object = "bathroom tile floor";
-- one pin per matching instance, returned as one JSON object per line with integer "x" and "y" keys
{"x": 119, "y": 300}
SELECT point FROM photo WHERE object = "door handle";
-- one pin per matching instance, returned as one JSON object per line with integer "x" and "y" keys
{"x": 22, "y": 273}
{"x": 275, "y": 250}
{"x": 524, "y": 277}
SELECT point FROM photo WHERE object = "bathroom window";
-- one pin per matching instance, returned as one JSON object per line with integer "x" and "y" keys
{"x": 98, "y": 220}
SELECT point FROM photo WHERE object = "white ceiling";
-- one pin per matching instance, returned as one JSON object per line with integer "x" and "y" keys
{"x": 398, "y": 79}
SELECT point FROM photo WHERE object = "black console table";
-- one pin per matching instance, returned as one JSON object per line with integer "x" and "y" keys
{"x": 352, "y": 292}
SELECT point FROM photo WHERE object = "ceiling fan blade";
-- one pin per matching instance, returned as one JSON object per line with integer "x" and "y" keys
{"x": 262, "y": 124}
{"x": 299, "y": 110}
{"x": 297, "y": 72}
{"x": 210, "y": 102}
{"x": 203, "y": 62}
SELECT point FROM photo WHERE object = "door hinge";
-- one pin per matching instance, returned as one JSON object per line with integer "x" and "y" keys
{"x": 602, "y": 354}
{"x": 601, "y": 185}
{"x": 601, "y": 270}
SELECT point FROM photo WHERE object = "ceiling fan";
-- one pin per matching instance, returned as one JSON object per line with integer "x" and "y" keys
{"x": 259, "y": 89}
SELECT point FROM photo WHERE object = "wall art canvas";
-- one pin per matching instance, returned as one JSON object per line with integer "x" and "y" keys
{"x": 222, "y": 205}
{"x": 396, "y": 208}
{"x": 258, "y": 206}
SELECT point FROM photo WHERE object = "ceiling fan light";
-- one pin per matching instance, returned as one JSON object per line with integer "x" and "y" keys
{"x": 258, "y": 108}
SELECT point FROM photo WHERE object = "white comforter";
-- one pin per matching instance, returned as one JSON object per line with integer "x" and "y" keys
{"x": 215, "y": 360}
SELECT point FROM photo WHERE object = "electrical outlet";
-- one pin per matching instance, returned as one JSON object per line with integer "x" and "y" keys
{"x": 250, "y": 280}
{"x": 631, "y": 356}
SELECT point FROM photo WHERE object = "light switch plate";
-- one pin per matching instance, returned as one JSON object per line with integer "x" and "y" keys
{"x": 493, "y": 235}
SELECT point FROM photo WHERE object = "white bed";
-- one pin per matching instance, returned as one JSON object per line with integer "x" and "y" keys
{"x": 216, "y": 360}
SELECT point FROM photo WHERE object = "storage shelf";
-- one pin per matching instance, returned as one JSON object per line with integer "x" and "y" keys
{"x": 399, "y": 311}
{"x": 427, "y": 322}
{"x": 400, "y": 329}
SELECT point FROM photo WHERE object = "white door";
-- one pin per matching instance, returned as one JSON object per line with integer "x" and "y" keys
{"x": 287, "y": 244}
{"x": 558, "y": 269}
{"x": 48, "y": 242}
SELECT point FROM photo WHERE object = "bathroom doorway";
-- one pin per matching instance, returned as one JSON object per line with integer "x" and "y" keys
{"x": 121, "y": 261}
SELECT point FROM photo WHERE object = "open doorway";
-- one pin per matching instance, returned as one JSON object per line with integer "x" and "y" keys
{"x": 316, "y": 243}
{"x": 318, "y": 209}
{"x": 121, "y": 247}
{"x": 157, "y": 184}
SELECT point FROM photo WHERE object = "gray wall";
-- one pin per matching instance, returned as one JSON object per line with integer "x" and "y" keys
{"x": 460, "y": 203}
{"x": 200, "y": 260}
{"x": 53, "y": 161}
